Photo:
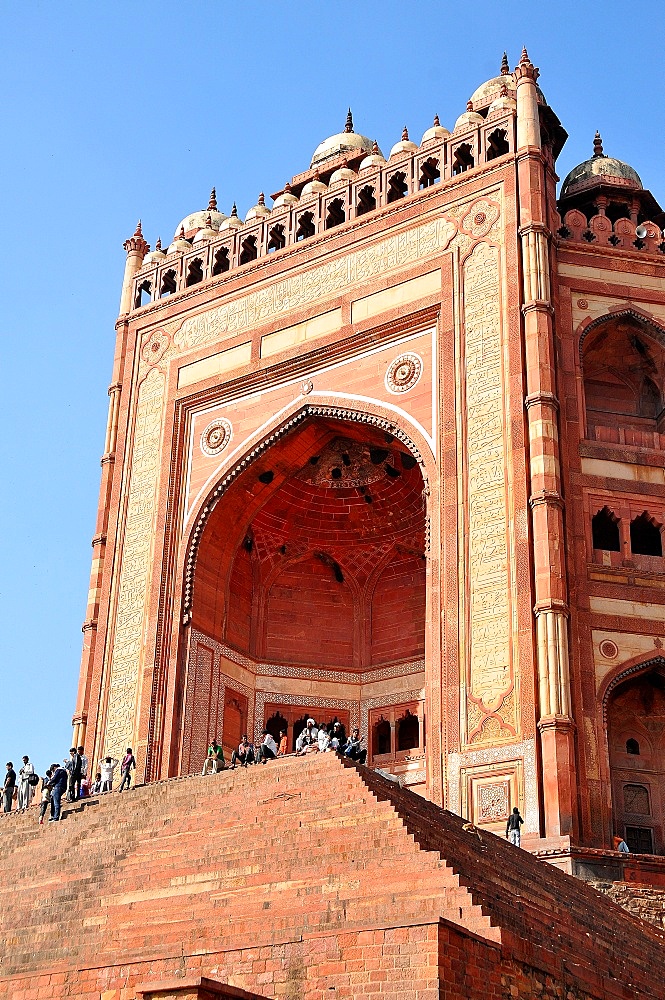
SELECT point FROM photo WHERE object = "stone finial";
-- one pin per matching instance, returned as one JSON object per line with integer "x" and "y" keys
{"x": 375, "y": 148}
{"x": 234, "y": 211}
{"x": 525, "y": 68}
{"x": 349, "y": 122}
{"x": 287, "y": 188}
{"x": 136, "y": 242}
{"x": 405, "y": 134}
{"x": 181, "y": 234}
{"x": 469, "y": 105}
{"x": 212, "y": 204}
{"x": 504, "y": 90}
{"x": 524, "y": 58}
{"x": 505, "y": 68}
{"x": 597, "y": 144}
{"x": 262, "y": 199}
{"x": 436, "y": 121}
{"x": 158, "y": 244}
{"x": 209, "y": 221}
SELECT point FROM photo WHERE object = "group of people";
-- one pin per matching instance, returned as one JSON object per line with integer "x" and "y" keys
{"x": 69, "y": 780}
{"x": 312, "y": 739}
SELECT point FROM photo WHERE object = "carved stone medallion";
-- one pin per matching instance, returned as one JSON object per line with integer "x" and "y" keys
{"x": 216, "y": 436}
{"x": 404, "y": 372}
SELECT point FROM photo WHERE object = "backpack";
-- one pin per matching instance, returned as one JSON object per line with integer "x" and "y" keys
{"x": 33, "y": 779}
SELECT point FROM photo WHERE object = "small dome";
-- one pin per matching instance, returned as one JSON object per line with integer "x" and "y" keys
{"x": 259, "y": 211}
{"x": 404, "y": 145}
{"x": 233, "y": 222}
{"x": 487, "y": 92}
{"x": 347, "y": 141}
{"x": 600, "y": 168}
{"x": 342, "y": 175}
{"x": 437, "y": 131}
{"x": 198, "y": 220}
{"x": 156, "y": 255}
{"x": 313, "y": 187}
{"x": 287, "y": 197}
{"x": 470, "y": 117}
{"x": 375, "y": 158}
{"x": 180, "y": 243}
{"x": 207, "y": 233}
{"x": 502, "y": 103}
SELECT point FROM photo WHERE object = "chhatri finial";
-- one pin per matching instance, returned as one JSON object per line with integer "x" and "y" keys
{"x": 181, "y": 234}
{"x": 349, "y": 122}
{"x": 524, "y": 58}
{"x": 137, "y": 231}
{"x": 136, "y": 242}
{"x": 262, "y": 199}
{"x": 597, "y": 145}
{"x": 436, "y": 121}
{"x": 234, "y": 211}
{"x": 504, "y": 91}
{"x": 287, "y": 188}
{"x": 212, "y": 204}
{"x": 209, "y": 221}
{"x": 505, "y": 68}
{"x": 158, "y": 244}
{"x": 405, "y": 134}
{"x": 375, "y": 148}
{"x": 469, "y": 105}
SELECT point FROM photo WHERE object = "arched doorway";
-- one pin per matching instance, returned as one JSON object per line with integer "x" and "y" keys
{"x": 636, "y": 738}
{"x": 309, "y": 588}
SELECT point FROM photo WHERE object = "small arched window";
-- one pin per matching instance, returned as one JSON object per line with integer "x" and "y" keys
{"x": 366, "y": 200}
{"x": 408, "y": 731}
{"x": 336, "y": 214}
{"x": 306, "y": 227}
{"x": 381, "y": 737}
{"x": 143, "y": 294}
{"x": 222, "y": 262}
{"x": 605, "y": 531}
{"x": 397, "y": 186}
{"x": 497, "y": 144}
{"x": 429, "y": 172}
{"x": 645, "y": 536}
{"x": 633, "y": 747}
{"x": 276, "y": 238}
{"x": 463, "y": 159}
{"x": 194, "y": 272}
{"x": 168, "y": 286}
{"x": 249, "y": 251}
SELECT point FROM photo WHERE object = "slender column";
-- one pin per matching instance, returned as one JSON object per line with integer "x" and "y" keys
{"x": 136, "y": 248}
{"x": 551, "y": 599}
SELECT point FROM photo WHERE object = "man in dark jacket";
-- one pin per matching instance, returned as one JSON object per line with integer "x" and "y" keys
{"x": 75, "y": 773}
{"x": 513, "y": 827}
{"x": 9, "y": 786}
{"x": 58, "y": 786}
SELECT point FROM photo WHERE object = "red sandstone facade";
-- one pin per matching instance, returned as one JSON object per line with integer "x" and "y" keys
{"x": 392, "y": 452}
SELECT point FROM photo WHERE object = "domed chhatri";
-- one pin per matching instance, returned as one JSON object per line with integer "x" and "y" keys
{"x": 600, "y": 168}
{"x": 180, "y": 244}
{"x": 488, "y": 92}
{"x": 375, "y": 158}
{"x": 469, "y": 117}
{"x": 259, "y": 211}
{"x": 436, "y": 131}
{"x": 313, "y": 187}
{"x": 233, "y": 222}
{"x": 347, "y": 141}
{"x": 197, "y": 220}
{"x": 287, "y": 197}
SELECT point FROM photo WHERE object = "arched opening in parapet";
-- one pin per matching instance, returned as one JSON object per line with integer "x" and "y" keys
{"x": 623, "y": 362}
{"x": 309, "y": 591}
{"x": 636, "y": 742}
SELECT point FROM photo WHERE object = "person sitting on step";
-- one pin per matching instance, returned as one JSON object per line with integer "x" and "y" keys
{"x": 353, "y": 749}
{"x": 307, "y": 742}
{"x": 337, "y": 736}
{"x": 267, "y": 749}
{"x": 324, "y": 740}
{"x": 244, "y": 754}
{"x": 214, "y": 762}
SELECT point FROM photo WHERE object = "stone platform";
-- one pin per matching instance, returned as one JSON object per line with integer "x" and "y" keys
{"x": 308, "y": 878}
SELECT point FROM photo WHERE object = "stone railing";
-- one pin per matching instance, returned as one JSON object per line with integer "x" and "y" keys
{"x": 599, "y": 231}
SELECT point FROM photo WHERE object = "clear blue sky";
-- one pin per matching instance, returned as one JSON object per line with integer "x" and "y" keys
{"x": 116, "y": 110}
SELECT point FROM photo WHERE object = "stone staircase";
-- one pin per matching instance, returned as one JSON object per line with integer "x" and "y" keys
{"x": 296, "y": 854}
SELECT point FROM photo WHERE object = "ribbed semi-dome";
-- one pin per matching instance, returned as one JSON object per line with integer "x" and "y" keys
{"x": 600, "y": 168}
{"x": 347, "y": 141}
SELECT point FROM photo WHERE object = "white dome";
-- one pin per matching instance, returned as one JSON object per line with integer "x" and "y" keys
{"x": 437, "y": 131}
{"x": 197, "y": 220}
{"x": 259, "y": 211}
{"x": 313, "y": 187}
{"x": 342, "y": 175}
{"x": 502, "y": 103}
{"x": 156, "y": 255}
{"x": 404, "y": 145}
{"x": 206, "y": 234}
{"x": 470, "y": 117}
{"x": 180, "y": 244}
{"x": 347, "y": 141}
{"x": 233, "y": 222}
{"x": 287, "y": 197}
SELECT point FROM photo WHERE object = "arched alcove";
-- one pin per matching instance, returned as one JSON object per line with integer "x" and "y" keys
{"x": 635, "y": 708}
{"x": 623, "y": 361}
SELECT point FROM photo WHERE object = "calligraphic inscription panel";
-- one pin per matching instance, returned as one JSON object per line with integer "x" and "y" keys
{"x": 489, "y": 671}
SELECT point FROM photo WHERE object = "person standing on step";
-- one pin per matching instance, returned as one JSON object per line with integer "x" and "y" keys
{"x": 267, "y": 749}
{"x": 96, "y": 786}
{"x": 513, "y": 827}
{"x": 107, "y": 766}
{"x": 283, "y": 744}
{"x": 75, "y": 772}
{"x": 84, "y": 764}
{"x": 128, "y": 762}
{"x": 25, "y": 785}
{"x": 45, "y": 797}
{"x": 9, "y": 787}
{"x": 58, "y": 784}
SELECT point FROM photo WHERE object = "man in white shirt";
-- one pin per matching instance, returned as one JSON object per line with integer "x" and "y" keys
{"x": 25, "y": 789}
{"x": 308, "y": 739}
{"x": 268, "y": 748}
{"x": 107, "y": 766}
